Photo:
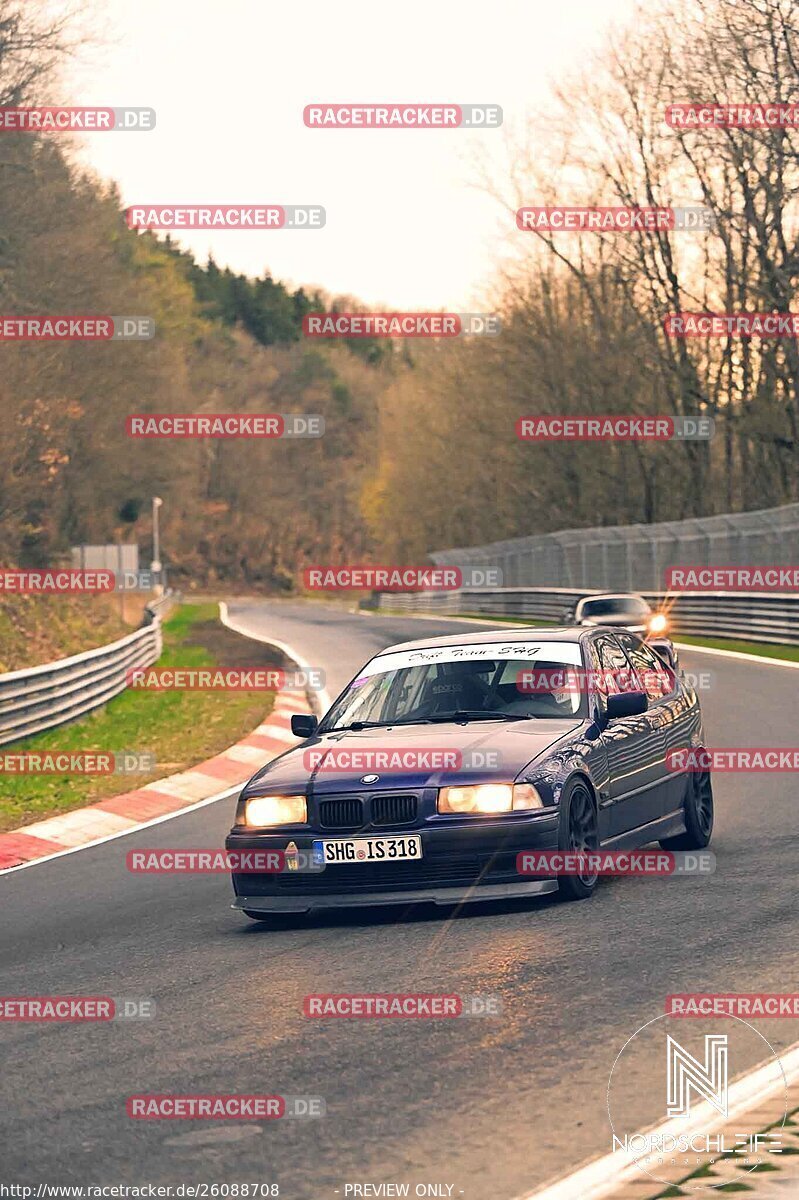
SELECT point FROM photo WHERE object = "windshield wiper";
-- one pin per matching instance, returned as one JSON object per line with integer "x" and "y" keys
{"x": 461, "y": 714}
{"x": 356, "y": 725}
{"x": 478, "y": 714}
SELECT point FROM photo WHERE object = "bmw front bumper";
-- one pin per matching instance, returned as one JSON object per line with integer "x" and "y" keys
{"x": 461, "y": 862}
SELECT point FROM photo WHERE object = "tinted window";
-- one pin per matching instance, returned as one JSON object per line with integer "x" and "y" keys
{"x": 616, "y": 672}
{"x": 623, "y": 605}
{"x": 656, "y": 680}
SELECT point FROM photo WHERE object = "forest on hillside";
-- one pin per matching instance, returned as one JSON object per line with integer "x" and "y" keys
{"x": 419, "y": 451}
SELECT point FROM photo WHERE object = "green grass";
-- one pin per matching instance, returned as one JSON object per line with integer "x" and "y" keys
{"x": 706, "y": 1170}
{"x": 492, "y": 620}
{"x": 758, "y": 649}
{"x": 179, "y": 728}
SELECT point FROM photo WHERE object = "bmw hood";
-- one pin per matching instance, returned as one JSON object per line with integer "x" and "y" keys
{"x": 412, "y": 756}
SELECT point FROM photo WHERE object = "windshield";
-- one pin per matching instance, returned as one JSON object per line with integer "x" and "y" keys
{"x": 628, "y": 605}
{"x": 491, "y": 682}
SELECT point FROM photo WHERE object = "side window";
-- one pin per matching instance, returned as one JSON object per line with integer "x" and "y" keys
{"x": 365, "y": 698}
{"x": 653, "y": 674}
{"x": 615, "y": 669}
{"x": 596, "y": 672}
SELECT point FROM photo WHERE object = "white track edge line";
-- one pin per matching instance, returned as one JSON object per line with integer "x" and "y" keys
{"x": 750, "y": 658}
{"x": 595, "y": 1179}
{"x": 323, "y": 696}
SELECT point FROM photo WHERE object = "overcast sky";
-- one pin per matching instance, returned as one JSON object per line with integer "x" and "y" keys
{"x": 229, "y": 80}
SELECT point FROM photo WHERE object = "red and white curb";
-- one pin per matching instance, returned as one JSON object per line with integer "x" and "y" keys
{"x": 210, "y": 780}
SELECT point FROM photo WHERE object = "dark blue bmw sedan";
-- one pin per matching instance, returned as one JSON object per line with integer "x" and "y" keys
{"x": 444, "y": 759}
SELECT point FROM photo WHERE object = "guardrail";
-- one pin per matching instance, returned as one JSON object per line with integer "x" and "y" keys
{"x": 161, "y": 607}
{"x": 749, "y": 616}
{"x": 39, "y": 698}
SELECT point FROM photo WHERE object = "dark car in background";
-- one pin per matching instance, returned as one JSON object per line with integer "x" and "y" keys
{"x": 575, "y": 759}
{"x": 624, "y": 610}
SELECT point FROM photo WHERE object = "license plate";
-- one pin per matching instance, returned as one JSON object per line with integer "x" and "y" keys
{"x": 365, "y": 850}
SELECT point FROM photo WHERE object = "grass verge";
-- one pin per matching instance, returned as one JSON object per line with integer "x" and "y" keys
{"x": 178, "y": 728}
{"x": 757, "y": 649}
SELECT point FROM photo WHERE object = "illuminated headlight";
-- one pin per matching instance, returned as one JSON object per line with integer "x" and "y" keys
{"x": 261, "y": 811}
{"x": 658, "y": 623}
{"x": 489, "y": 798}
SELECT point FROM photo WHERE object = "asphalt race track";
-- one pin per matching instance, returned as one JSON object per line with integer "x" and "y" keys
{"x": 490, "y": 1106}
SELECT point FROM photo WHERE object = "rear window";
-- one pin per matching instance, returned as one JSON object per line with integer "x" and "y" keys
{"x": 611, "y": 608}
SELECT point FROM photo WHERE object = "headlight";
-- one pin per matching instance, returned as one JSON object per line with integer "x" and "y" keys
{"x": 261, "y": 811}
{"x": 658, "y": 623}
{"x": 489, "y": 798}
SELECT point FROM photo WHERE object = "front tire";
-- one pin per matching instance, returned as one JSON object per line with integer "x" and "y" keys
{"x": 698, "y": 816}
{"x": 578, "y": 830}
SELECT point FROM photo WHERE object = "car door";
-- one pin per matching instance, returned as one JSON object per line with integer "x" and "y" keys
{"x": 676, "y": 711}
{"x": 635, "y": 746}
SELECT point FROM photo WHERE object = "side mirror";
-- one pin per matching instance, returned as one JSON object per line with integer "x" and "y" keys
{"x": 303, "y": 724}
{"x": 626, "y": 704}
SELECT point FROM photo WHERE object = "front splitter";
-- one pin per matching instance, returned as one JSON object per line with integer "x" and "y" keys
{"x": 442, "y": 896}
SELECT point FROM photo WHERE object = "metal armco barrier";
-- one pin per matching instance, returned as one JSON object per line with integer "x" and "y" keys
{"x": 42, "y": 697}
{"x": 631, "y": 558}
{"x": 748, "y": 616}
{"x": 161, "y": 607}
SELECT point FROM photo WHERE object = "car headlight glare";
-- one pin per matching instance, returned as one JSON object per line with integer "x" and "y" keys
{"x": 487, "y": 798}
{"x": 658, "y": 623}
{"x": 261, "y": 811}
